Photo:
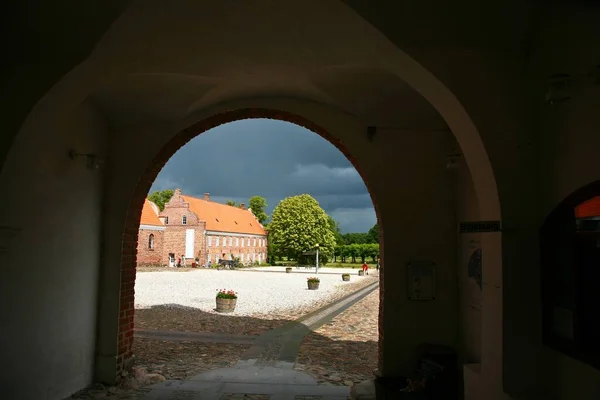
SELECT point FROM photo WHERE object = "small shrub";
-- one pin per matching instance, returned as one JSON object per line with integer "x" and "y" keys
{"x": 313, "y": 279}
{"x": 226, "y": 294}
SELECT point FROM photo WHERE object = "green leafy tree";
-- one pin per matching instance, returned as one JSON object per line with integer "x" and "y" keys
{"x": 298, "y": 224}
{"x": 335, "y": 228}
{"x": 258, "y": 204}
{"x": 231, "y": 203}
{"x": 161, "y": 197}
{"x": 373, "y": 234}
{"x": 355, "y": 238}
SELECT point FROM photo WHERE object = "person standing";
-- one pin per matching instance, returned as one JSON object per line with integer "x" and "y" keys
{"x": 365, "y": 268}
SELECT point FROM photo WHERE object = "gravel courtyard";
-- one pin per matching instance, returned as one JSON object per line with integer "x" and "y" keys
{"x": 259, "y": 293}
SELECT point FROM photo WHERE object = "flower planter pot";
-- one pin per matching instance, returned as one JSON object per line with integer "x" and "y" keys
{"x": 288, "y": 270}
{"x": 345, "y": 277}
{"x": 313, "y": 285}
{"x": 361, "y": 273}
{"x": 226, "y": 305}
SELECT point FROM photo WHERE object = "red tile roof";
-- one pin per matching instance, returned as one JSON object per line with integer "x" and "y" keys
{"x": 150, "y": 214}
{"x": 589, "y": 208}
{"x": 223, "y": 218}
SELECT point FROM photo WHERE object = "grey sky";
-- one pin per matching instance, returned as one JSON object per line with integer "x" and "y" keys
{"x": 273, "y": 159}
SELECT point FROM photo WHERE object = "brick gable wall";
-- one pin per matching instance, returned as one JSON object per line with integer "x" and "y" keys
{"x": 175, "y": 230}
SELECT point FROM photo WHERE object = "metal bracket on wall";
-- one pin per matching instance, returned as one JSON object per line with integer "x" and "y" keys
{"x": 6, "y": 235}
{"x": 480, "y": 226}
{"x": 371, "y": 132}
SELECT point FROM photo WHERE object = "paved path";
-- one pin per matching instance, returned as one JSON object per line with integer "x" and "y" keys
{"x": 205, "y": 337}
{"x": 311, "y": 271}
{"x": 265, "y": 370}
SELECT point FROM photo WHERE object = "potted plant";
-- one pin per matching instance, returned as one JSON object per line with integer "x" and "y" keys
{"x": 313, "y": 283}
{"x": 226, "y": 300}
{"x": 361, "y": 272}
{"x": 345, "y": 277}
{"x": 288, "y": 270}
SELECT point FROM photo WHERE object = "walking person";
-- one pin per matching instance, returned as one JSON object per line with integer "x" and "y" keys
{"x": 365, "y": 268}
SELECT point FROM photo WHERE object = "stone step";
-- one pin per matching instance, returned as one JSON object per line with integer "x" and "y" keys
{"x": 171, "y": 390}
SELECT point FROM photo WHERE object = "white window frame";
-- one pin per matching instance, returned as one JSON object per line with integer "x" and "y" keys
{"x": 254, "y": 242}
{"x": 243, "y": 242}
{"x": 237, "y": 242}
{"x": 209, "y": 241}
{"x": 216, "y": 241}
{"x": 151, "y": 241}
{"x": 230, "y": 241}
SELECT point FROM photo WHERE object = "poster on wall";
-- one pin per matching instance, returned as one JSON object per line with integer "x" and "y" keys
{"x": 421, "y": 280}
{"x": 474, "y": 274}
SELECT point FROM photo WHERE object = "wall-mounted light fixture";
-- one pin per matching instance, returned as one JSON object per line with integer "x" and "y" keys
{"x": 92, "y": 161}
{"x": 371, "y": 132}
{"x": 595, "y": 75}
{"x": 558, "y": 90}
{"x": 453, "y": 160}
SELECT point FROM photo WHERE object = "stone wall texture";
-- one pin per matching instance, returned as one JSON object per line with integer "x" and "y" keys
{"x": 147, "y": 255}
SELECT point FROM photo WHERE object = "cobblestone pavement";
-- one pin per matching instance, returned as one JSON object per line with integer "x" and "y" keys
{"x": 344, "y": 351}
{"x": 352, "y": 334}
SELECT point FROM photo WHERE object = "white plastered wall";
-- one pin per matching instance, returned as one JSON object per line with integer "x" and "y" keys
{"x": 52, "y": 204}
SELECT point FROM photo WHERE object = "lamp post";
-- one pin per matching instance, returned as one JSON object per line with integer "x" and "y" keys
{"x": 317, "y": 260}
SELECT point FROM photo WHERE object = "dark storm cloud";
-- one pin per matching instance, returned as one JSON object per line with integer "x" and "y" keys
{"x": 273, "y": 159}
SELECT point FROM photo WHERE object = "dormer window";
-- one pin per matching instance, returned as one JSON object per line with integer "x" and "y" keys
{"x": 184, "y": 220}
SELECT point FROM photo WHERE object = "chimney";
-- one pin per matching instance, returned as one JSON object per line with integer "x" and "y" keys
{"x": 242, "y": 206}
{"x": 207, "y": 196}
{"x": 177, "y": 192}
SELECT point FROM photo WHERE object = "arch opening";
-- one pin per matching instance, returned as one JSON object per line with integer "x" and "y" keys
{"x": 215, "y": 246}
{"x": 569, "y": 255}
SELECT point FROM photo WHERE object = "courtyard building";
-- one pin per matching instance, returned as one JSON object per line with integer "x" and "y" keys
{"x": 208, "y": 231}
{"x": 150, "y": 236}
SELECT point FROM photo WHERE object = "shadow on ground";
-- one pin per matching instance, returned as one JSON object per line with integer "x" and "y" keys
{"x": 336, "y": 361}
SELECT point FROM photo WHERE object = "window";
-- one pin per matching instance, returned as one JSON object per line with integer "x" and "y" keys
{"x": 243, "y": 242}
{"x": 184, "y": 220}
{"x": 254, "y": 242}
{"x": 166, "y": 220}
{"x": 242, "y": 257}
{"x": 151, "y": 241}
{"x": 217, "y": 241}
{"x": 230, "y": 241}
{"x": 248, "y": 242}
{"x": 570, "y": 255}
{"x": 237, "y": 242}
{"x": 209, "y": 241}
{"x": 208, "y": 257}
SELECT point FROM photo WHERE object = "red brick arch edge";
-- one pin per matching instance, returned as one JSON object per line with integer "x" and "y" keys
{"x": 132, "y": 223}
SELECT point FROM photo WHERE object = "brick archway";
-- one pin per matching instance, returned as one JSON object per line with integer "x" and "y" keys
{"x": 131, "y": 228}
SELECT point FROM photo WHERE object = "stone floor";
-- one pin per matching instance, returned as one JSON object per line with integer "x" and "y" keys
{"x": 265, "y": 369}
